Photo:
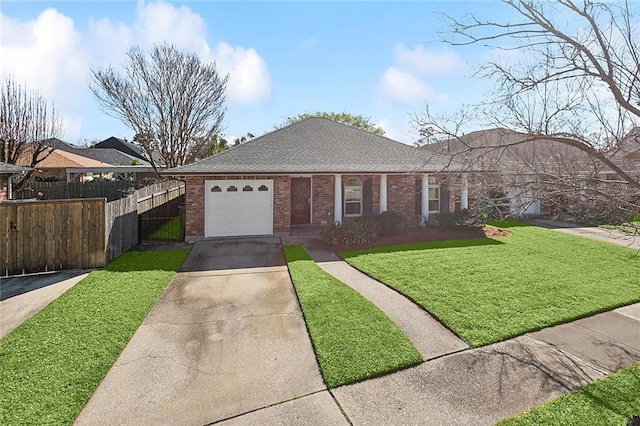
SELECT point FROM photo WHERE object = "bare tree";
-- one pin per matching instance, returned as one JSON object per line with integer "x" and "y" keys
{"x": 28, "y": 126}
{"x": 171, "y": 97}
{"x": 576, "y": 85}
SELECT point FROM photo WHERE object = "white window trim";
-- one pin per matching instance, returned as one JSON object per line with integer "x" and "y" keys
{"x": 344, "y": 205}
{"x": 434, "y": 184}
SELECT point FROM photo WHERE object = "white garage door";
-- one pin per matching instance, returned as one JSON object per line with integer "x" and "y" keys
{"x": 238, "y": 207}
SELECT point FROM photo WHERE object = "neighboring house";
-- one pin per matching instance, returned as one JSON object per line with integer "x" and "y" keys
{"x": 57, "y": 163}
{"x": 537, "y": 175}
{"x": 314, "y": 172}
{"x": 122, "y": 145}
{"x": 106, "y": 155}
{"x": 7, "y": 172}
{"x": 107, "y": 162}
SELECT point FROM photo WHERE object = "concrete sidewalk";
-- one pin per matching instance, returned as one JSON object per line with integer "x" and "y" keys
{"x": 24, "y": 296}
{"x": 593, "y": 232}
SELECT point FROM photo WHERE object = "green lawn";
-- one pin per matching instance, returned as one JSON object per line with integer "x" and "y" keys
{"x": 491, "y": 289}
{"x": 171, "y": 230}
{"x": 352, "y": 338}
{"x": 610, "y": 401}
{"x": 52, "y": 363}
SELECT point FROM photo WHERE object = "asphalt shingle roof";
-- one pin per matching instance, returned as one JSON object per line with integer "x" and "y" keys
{"x": 319, "y": 145}
{"x": 106, "y": 155}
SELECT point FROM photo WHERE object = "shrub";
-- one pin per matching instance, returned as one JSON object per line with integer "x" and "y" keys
{"x": 388, "y": 223}
{"x": 459, "y": 219}
{"x": 358, "y": 231}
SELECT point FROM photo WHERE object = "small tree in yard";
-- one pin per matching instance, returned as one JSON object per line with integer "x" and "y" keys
{"x": 171, "y": 99}
{"x": 577, "y": 87}
{"x": 28, "y": 127}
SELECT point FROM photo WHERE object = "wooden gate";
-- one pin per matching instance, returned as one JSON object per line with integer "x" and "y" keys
{"x": 38, "y": 236}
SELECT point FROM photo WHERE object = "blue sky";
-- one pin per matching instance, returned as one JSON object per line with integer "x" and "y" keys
{"x": 383, "y": 60}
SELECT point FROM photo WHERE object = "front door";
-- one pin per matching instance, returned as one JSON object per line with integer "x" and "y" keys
{"x": 300, "y": 201}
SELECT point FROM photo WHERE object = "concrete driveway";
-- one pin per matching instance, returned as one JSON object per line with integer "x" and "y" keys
{"x": 226, "y": 338}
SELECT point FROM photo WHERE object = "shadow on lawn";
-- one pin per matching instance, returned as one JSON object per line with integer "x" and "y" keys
{"x": 426, "y": 245}
{"x": 138, "y": 261}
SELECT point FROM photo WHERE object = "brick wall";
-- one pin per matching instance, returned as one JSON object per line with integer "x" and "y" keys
{"x": 401, "y": 197}
{"x": 194, "y": 207}
{"x": 281, "y": 204}
{"x": 323, "y": 208}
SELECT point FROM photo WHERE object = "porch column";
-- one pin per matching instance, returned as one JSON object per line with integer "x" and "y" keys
{"x": 9, "y": 188}
{"x": 337, "y": 200}
{"x": 464, "y": 193}
{"x": 383, "y": 193}
{"x": 425, "y": 198}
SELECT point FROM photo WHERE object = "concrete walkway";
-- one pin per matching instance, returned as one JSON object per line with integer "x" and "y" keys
{"x": 592, "y": 232}
{"x": 24, "y": 296}
{"x": 429, "y": 336}
{"x": 484, "y": 385}
{"x": 226, "y": 338}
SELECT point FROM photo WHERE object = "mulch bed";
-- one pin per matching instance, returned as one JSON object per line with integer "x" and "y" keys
{"x": 425, "y": 234}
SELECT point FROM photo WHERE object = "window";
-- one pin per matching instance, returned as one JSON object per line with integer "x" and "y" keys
{"x": 263, "y": 188}
{"x": 247, "y": 188}
{"x": 353, "y": 197}
{"x": 216, "y": 189}
{"x": 232, "y": 189}
{"x": 434, "y": 195}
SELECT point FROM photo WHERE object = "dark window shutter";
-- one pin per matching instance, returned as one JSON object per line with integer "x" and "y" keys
{"x": 367, "y": 197}
{"x": 444, "y": 199}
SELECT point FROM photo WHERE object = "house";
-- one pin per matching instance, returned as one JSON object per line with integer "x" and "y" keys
{"x": 106, "y": 155}
{"x": 538, "y": 175}
{"x": 314, "y": 172}
{"x": 122, "y": 145}
{"x": 7, "y": 172}
{"x": 56, "y": 164}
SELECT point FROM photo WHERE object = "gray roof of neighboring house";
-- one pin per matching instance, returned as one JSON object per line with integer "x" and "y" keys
{"x": 121, "y": 145}
{"x": 111, "y": 156}
{"x": 507, "y": 150}
{"x": 319, "y": 145}
{"x": 12, "y": 169}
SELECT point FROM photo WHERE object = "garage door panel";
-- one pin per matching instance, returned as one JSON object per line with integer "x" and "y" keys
{"x": 239, "y": 212}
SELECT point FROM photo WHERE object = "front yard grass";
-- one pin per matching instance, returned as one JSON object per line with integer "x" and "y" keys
{"x": 352, "y": 338}
{"x": 491, "y": 289}
{"x": 52, "y": 363}
{"x": 610, "y": 401}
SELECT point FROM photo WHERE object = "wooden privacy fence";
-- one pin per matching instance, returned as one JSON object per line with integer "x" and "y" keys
{"x": 111, "y": 190}
{"x": 40, "y": 236}
{"x": 122, "y": 215}
{"x": 37, "y": 236}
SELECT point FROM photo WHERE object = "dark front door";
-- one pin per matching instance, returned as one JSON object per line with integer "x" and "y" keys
{"x": 300, "y": 201}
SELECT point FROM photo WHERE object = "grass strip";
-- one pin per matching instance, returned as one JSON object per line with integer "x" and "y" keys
{"x": 172, "y": 230}
{"x": 352, "y": 338}
{"x": 610, "y": 401}
{"x": 491, "y": 289}
{"x": 52, "y": 363}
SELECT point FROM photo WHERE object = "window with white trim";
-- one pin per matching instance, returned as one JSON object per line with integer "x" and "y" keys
{"x": 353, "y": 197}
{"x": 434, "y": 195}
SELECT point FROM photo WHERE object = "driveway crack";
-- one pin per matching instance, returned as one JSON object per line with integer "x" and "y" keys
{"x": 222, "y": 320}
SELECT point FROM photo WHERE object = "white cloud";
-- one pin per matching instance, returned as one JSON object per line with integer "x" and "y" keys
{"x": 406, "y": 80}
{"x": 401, "y": 86}
{"x": 51, "y": 55}
{"x": 158, "y": 22}
{"x": 425, "y": 62}
{"x": 249, "y": 80}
